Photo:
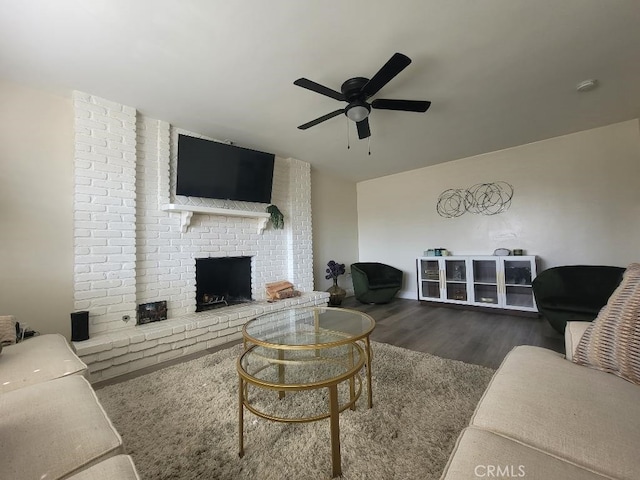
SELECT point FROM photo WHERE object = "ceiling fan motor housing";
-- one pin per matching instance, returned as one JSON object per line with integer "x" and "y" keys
{"x": 352, "y": 88}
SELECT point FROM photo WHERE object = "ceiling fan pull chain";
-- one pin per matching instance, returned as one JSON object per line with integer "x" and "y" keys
{"x": 348, "y": 136}
{"x": 369, "y": 144}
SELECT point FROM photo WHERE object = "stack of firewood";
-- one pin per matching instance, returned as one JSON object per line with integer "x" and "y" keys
{"x": 280, "y": 290}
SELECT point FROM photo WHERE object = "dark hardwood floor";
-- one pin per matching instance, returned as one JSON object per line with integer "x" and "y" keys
{"x": 471, "y": 336}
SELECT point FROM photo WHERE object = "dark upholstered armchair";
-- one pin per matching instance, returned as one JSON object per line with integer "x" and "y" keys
{"x": 574, "y": 292}
{"x": 375, "y": 282}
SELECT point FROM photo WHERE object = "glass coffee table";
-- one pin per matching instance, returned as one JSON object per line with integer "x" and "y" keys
{"x": 305, "y": 350}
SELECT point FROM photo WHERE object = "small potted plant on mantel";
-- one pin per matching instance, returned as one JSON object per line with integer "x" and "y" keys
{"x": 337, "y": 293}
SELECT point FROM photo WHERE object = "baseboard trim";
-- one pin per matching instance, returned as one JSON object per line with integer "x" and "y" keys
{"x": 477, "y": 308}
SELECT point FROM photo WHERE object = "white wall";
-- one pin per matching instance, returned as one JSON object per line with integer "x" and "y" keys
{"x": 36, "y": 201}
{"x": 335, "y": 227}
{"x": 576, "y": 201}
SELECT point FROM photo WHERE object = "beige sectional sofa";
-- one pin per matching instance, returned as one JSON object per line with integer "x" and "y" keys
{"x": 52, "y": 425}
{"x": 545, "y": 418}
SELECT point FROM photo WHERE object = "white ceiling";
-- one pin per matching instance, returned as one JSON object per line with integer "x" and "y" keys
{"x": 499, "y": 72}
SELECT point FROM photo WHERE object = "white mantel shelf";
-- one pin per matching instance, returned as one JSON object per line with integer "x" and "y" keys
{"x": 187, "y": 211}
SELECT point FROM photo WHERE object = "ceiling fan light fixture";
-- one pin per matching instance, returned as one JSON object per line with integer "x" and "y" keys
{"x": 357, "y": 111}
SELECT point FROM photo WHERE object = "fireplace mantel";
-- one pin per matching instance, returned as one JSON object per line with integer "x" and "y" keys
{"x": 187, "y": 211}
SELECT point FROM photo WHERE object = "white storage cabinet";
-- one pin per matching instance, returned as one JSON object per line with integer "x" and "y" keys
{"x": 488, "y": 281}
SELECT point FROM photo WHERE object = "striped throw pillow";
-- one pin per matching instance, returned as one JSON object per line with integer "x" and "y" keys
{"x": 7, "y": 329}
{"x": 612, "y": 342}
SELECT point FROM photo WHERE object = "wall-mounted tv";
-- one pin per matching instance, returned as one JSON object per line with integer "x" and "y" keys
{"x": 217, "y": 170}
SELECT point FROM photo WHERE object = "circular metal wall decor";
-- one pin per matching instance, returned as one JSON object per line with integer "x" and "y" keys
{"x": 452, "y": 203}
{"x": 481, "y": 198}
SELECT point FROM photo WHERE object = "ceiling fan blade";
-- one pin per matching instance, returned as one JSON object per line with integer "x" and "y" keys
{"x": 403, "y": 105}
{"x": 321, "y": 89}
{"x": 363, "y": 128}
{"x": 321, "y": 119}
{"x": 393, "y": 67}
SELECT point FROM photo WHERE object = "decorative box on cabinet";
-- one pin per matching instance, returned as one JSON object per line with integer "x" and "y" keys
{"x": 487, "y": 281}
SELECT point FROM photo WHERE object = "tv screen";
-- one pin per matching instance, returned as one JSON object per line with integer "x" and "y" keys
{"x": 216, "y": 170}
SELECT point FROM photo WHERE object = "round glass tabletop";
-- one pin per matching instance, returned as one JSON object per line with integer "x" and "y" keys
{"x": 311, "y": 327}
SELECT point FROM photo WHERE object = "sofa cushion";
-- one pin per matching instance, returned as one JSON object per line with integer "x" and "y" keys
{"x": 54, "y": 429}
{"x": 36, "y": 360}
{"x": 572, "y": 335}
{"x": 612, "y": 342}
{"x": 120, "y": 467}
{"x": 483, "y": 454}
{"x": 585, "y": 416}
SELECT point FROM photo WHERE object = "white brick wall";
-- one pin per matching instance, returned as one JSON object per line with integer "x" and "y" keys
{"x": 128, "y": 251}
{"x": 300, "y": 249}
{"x": 104, "y": 210}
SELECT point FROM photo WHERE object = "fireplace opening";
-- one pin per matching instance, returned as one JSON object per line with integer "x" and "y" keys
{"x": 222, "y": 281}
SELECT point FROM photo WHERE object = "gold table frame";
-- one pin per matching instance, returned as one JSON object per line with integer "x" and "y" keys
{"x": 358, "y": 357}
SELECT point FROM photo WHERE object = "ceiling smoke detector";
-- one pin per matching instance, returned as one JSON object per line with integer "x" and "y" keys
{"x": 587, "y": 85}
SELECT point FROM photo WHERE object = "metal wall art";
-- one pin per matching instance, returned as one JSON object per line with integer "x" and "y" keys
{"x": 481, "y": 198}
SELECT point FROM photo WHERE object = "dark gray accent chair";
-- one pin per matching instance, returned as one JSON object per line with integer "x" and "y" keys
{"x": 574, "y": 292}
{"x": 375, "y": 282}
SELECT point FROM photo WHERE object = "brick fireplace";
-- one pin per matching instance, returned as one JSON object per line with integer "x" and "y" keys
{"x": 137, "y": 242}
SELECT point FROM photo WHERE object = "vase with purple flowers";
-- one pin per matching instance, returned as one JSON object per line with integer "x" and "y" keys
{"x": 336, "y": 292}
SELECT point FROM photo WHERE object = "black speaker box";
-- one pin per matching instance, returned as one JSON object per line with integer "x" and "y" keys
{"x": 79, "y": 326}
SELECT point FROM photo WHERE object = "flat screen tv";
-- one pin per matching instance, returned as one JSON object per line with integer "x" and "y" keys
{"x": 217, "y": 170}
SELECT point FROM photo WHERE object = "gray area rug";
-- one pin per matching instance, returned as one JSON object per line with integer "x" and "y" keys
{"x": 181, "y": 422}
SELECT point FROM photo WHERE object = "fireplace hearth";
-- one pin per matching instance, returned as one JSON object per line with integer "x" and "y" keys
{"x": 222, "y": 281}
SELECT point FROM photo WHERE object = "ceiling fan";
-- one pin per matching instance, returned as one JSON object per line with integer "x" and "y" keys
{"x": 356, "y": 91}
